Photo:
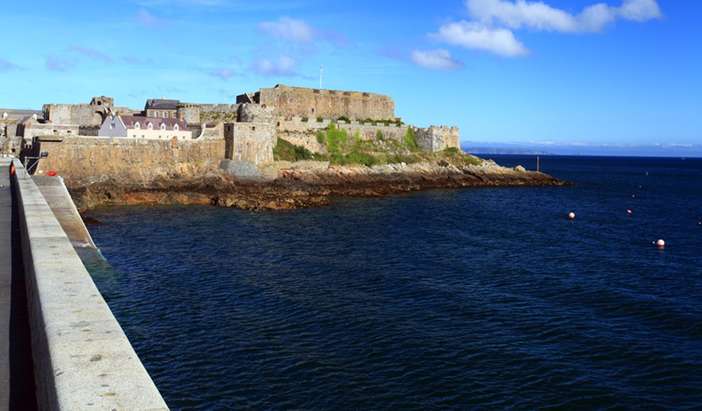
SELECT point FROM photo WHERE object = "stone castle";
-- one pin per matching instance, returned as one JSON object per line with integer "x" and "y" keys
{"x": 327, "y": 104}
{"x": 250, "y": 127}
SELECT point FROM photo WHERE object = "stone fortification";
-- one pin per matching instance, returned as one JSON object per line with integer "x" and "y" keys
{"x": 132, "y": 160}
{"x": 84, "y": 115}
{"x": 196, "y": 114}
{"x": 255, "y": 113}
{"x": 251, "y": 142}
{"x": 303, "y": 133}
{"x": 328, "y": 104}
{"x": 437, "y": 138}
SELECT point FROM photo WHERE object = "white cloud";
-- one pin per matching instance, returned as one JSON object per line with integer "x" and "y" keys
{"x": 493, "y": 22}
{"x": 474, "y": 35}
{"x": 283, "y": 66}
{"x": 538, "y": 15}
{"x": 521, "y": 13}
{"x": 435, "y": 59}
{"x": 290, "y": 29}
{"x": 640, "y": 10}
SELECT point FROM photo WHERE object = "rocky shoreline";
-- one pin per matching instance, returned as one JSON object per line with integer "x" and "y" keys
{"x": 294, "y": 185}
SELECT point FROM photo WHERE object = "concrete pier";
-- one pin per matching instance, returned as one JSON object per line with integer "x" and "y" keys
{"x": 82, "y": 358}
{"x": 5, "y": 280}
{"x": 56, "y": 195}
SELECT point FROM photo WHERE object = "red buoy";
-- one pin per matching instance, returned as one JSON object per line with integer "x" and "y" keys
{"x": 12, "y": 169}
{"x": 51, "y": 173}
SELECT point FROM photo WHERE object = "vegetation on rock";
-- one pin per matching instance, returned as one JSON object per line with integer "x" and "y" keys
{"x": 343, "y": 149}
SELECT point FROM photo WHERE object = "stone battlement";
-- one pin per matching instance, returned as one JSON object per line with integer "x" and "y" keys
{"x": 329, "y": 104}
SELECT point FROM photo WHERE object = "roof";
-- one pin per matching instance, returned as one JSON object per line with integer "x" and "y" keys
{"x": 161, "y": 104}
{"x": 129, "y": 121}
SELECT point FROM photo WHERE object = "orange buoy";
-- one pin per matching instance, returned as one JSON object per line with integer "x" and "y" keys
{"x": 51, "y": 173}
{"x": 571, "y": 216}
{"x": 660, "y": 244}
{"x": 12, "y": 169}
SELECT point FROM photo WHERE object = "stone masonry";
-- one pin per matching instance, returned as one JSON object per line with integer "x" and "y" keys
{"x": 327, "y": 104}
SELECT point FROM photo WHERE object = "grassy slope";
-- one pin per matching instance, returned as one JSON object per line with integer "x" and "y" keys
{"x": 343, "y": 149}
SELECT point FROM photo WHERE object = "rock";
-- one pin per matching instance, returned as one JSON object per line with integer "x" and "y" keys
{"x": 520, "y": 169}
{"x": 241, "y": 169}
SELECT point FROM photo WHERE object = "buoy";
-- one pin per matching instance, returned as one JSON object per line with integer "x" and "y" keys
{"x": 633, "y": 196}
{"x": 660, "y": 244}
{"x": 51, "y": 173}
{"x": 571, "y": 216}
{"x": 629, "y": 212}
{"x": 12, "y": 169}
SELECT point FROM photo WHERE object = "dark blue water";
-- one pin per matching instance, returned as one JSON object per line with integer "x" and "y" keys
{"x": 472, "y": 299}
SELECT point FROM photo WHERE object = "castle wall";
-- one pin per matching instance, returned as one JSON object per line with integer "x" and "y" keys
{"x": 438, "y": 138}
{"x": 329, "y": 104}
{"x": 34, "y": 129}
{"x": 131, "y": 160}
{"x": 251, "y": 142}
{"x": 304, "y": 133}
{"x": 83, "y": 114}
{"x": 208, "y": 113}
{"x": 205, "y": 132}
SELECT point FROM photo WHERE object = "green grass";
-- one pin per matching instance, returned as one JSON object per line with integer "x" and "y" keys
{"x": 286, "y": 151}
{"x": 410, "y": 140}
{"x": 344, "y": 149}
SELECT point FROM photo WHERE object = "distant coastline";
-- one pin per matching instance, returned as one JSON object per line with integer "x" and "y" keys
{"x": 479, "y": 148}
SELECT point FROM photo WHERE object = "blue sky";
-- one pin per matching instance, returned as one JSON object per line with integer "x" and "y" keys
{"x": 570, "y": 71}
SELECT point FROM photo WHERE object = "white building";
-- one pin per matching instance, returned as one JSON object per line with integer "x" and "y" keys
{"x": 140, "y": 127}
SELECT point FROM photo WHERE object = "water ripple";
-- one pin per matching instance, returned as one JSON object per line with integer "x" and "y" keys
{"x": 476, "y": 299}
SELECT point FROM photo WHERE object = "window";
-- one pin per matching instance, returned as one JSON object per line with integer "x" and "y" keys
{"x": 176, "y": 128}
{"x": 163, "y": 126}
{"x": 137, "y": 125}
{"x": 150, "y": 126}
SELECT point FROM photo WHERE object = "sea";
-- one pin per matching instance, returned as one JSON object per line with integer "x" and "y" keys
{"x": 480, "y": 298}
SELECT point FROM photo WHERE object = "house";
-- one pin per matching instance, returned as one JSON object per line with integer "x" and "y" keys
{"x": 162, "y": 108}
{"x": 141, "y": 127}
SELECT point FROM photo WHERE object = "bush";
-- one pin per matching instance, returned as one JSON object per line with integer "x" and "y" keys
{"x": 305, "y": 119}
{"x": 357, "y": 157}
{"x": 379, "y": 135}
{"x": 344, "y": 118}
{"x": 410, "y": 140}
{"x": 286, "y": 151}
{"x": 320, "y": 119}
{"x": 336, "y": 139}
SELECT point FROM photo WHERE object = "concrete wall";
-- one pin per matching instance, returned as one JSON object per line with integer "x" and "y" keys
{"x": 252, "y": 142}
{"x": 82, "y": 358}
{"x": 133, "y": 160}
{"x": 331, "y": 104}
